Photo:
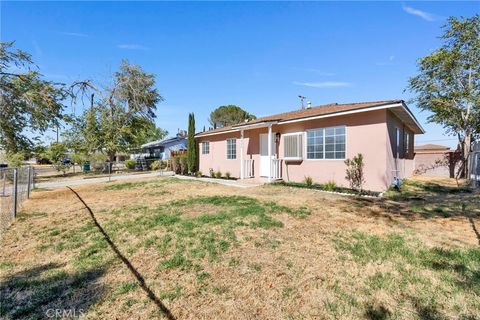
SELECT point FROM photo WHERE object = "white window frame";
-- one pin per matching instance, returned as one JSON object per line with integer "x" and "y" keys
{"x": 397, "y": 143}
{"x": 324, "y": 159}
{"x": 203, "y": 147}
{"x": 301, "y": 151}
{"x": 226, "y": 147}
{"x": 406, "y": 143}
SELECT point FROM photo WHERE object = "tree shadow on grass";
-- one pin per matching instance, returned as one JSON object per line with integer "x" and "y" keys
{"x": 463, "y": 264}
{"x": 140, "y": 279}
{"x": 421, "y": 200}
{"x": 377, "y": 312}
{"x": 39, "y": 292}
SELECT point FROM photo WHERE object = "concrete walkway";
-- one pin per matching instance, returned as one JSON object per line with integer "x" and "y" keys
{"x": 81, "y": 182}
{"x": 232, "y": 183}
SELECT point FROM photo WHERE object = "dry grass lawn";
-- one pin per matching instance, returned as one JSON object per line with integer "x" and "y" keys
{"x": 273, "y": 252}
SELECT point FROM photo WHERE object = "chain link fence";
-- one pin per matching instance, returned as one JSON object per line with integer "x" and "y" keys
{"x": 15, "y": 187}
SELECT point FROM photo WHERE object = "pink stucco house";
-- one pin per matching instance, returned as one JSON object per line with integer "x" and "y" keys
{"x": 315, "y": 142}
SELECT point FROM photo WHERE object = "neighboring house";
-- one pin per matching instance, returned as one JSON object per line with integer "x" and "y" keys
{"x": 162, "y": 149}
{"x": 475, "y": 164}
{"x": 315, "y": 142}
{"x": 436, "y": 160}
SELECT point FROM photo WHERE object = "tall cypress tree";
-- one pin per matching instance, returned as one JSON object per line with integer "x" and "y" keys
{"x": 192, "y": 150}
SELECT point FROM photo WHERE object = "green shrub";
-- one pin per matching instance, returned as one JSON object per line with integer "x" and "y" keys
{"x": 330, "y": 186}
{"x": 212, "y": 173}
{"x": 183, "y": 164}
{"x": 218, "y": 174}
{"x": 155, "y": 165}
{"x": 176, "y": 164}
{"x": 227, "y": 175}
{"x": 199, "y": 174}
{"x": 78, "y": 158}
{"x": 130, "y": 164}
{"x": 308, "y": 181}
{"x": 97, "y": 161}
{"x": 15, "y": 159}
{"x": 64, "y": 167}
{"x": 163, "y": 164}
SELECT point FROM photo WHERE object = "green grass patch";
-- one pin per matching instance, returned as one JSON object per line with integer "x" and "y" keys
{"x": 7, "y": 265}
{"x": 186, "y": 240}
{"x": 423, "y": 276}
{"x": 127, "y": 287}
{"x": 154, "y": 183}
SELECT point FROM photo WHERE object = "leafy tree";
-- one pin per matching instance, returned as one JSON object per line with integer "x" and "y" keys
{"x": 56, "y": 152}
{"x": 29, "y": 105}
{"x": 448, "y": 83}
{"x": 122, "y": 117}
{"x": 229, "y": 115}
{"x": 192, "y": 149}
{"x": 15, "y": 159}
{"x": 147, "y": 131}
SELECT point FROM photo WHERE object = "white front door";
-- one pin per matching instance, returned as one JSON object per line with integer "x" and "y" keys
{"x": 264, "y": 167}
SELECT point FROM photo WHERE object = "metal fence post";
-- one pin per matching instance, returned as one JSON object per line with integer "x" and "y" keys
{"x": 29, "y": 181}
{"x": 15, "y": 191}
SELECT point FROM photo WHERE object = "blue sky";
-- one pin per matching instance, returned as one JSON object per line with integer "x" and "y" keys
{"x": 258, "y": 55}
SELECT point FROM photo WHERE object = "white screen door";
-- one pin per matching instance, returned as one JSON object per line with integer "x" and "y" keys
{"x": 264, "y": 153}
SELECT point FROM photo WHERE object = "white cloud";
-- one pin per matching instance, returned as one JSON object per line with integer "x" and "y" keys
{"x": 74, "y": 34}
{"x": 323, "y": 84}
{"x": 132, "y": 47}
{"x": 419, "y": 13}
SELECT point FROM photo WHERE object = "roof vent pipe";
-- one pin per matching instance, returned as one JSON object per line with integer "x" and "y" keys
{"x": 309, "y": 105}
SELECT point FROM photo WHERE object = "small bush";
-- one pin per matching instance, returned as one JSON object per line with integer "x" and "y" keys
{"x": 227, "y": 175}
{"x": 354, "y": 172}
{"x": 330, "y": 186}
{"x": 183, "y": 164}
{"x": 308, "y": 181}
{"x": 78, "y": 158}
{"x": 176, "y": 164}
{"x": 212, "y": 173}
{"x": 130, "y": 164}
{"x": 155, "y": 165}
{"x": 163, "y": 164}
{"x": 63, "y": 167}
{"x": 218, "y": 174}
{"x": 198, "y": 174}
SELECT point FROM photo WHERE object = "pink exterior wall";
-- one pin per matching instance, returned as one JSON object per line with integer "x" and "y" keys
{"x": 217, "y": 158}
{"x": 365, "y": 133}
{"x": 403, "y": 163}
{"x": 369, "y": 133}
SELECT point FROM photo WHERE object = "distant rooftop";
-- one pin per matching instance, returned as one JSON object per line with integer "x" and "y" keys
{"x": 430, "y": 146}
{"x": 162, "y": 142}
